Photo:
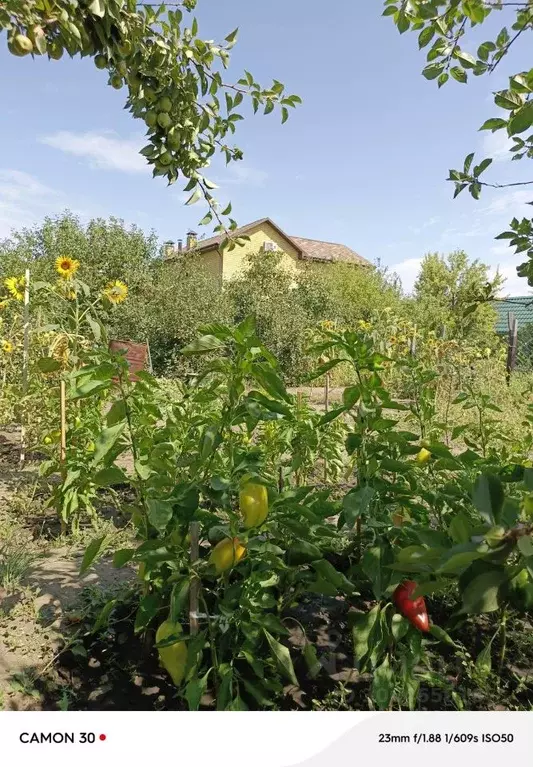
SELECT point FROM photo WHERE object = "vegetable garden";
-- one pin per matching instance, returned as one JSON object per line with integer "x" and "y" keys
{"x": 375, "y": 553}
{"x": 250, "y": 521}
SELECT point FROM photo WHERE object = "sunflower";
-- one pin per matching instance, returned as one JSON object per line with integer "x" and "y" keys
{"x": 66, "y": 290}
{"x": 116, "y": 292}
{"x": 16, "y": 286}
{"x": 67, "y": 267}
{"x": 7, "y": 347}
{"x": 58, "y": 349}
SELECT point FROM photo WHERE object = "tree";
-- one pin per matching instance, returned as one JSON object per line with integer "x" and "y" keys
{"x": 173, "y": 79}
{"x": 443, "y": 24}
{"x": 353, "y": 293}
{"x": 271, "y": 294}
{"x": 106, "y": 249}
{"x": 450, "y": 293}
{"x": 181, "y": 297}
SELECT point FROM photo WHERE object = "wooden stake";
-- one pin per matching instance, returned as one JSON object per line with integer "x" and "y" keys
{"x": 326, "y": 408}
{"x": 511, "y": 347}
{"x": 299, "y": 398}
{"x": 25, "y": 363}
{"x": 63, "y": 424}
{"x": 150, "y": 367}
{"x": 194, "y": 531}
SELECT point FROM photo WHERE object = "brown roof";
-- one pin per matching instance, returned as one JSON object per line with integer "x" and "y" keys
{"x": 316, "y": 250}
{"x": 308, "y": 250}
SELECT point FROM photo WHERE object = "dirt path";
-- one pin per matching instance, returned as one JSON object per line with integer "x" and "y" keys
{"x": 34, "y": 620}
{"x": 34, "y": 614}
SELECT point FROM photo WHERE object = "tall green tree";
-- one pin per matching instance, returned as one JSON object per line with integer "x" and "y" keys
{"x": 450, "y": 297}
{"x": 441, "y": 26}
{"x": 107, "y": 250}
{"x": 173, "y": 78}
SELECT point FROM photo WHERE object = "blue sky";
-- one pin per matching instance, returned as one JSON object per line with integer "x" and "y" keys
{"x": 363, "y": 161}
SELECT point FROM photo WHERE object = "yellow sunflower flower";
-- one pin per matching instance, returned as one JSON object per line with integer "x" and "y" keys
{"x": 67, "y": 267}
{"x": 7, "y": 347}
{"x": 116, "y": 292}
{"x": 16, "y": 286}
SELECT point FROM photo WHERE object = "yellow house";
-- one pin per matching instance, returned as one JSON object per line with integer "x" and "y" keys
{"x": 264, "y": 236}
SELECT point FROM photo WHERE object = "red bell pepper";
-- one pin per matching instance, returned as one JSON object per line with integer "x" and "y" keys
{"x": 412, "y": 609}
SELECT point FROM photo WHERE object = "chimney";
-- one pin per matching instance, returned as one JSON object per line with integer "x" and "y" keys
{"x": 168, "y": 249}
{"x": 192, "y": 239}
{"x": 180, "y": 246}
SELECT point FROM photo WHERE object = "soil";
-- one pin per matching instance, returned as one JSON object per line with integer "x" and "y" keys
{"x": 36, "y": 615}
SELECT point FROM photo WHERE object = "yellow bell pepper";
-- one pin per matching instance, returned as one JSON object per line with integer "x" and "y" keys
{"x": 423, "y": 456}
{"x": 226, "y": 554}
{"x": 173, "y": 658}
{"x": 253, "y": 503}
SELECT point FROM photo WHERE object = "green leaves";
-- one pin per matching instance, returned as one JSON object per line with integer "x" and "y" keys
{"x": 383, "y": 685}
{"x": 282, "y": 658}
{"x": 92, "y": 552}
{"x": 48, "y": 365}
{"x": 521, "y": 120}
{"x": 159, "y": 513}
{"x": 202, "y": 345}
{"x": 482, "y": 594}
{"x": 106, "y": 441}
{"x": 355, "y": 503}
{"x": 488, "y": 497}
{"x": 374, "y": 566}
{"x": 361, "y": 633}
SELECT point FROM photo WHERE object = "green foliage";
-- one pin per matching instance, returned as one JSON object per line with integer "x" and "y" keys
{"x": 174, "y": 79}
{"x": 442, "y": 26}
{"x": 451, "y": 296}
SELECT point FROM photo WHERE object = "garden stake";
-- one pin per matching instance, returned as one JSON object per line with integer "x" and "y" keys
{"x": 326, "y": 408}
{"x": 25, "y": 360}
{"x": 63, "y": 411}
{"x": 63, "y": 438}
{"x": 299, "y": 404}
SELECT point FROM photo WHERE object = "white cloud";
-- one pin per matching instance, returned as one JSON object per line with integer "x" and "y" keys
{"x": 105, "y": 151}
{"x": 513, "y": 285}
{"x": 24, "y": 200}
{"x": 407, "y": 271}
{"x": 512, "y": 202}
{"x": 497, "y": 146}
{"x": 425, "y": 225}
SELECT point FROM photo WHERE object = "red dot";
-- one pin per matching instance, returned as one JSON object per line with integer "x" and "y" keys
{"x": 102, "y": 737}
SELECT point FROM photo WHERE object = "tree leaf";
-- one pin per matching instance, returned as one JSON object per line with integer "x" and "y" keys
{"x": 195, "y": 196}
{"x": 97, "y": 8}
{"x": 521, "y": 120}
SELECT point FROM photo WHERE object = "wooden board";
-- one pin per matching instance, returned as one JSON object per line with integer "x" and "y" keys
{"x": 136, "y": 355}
